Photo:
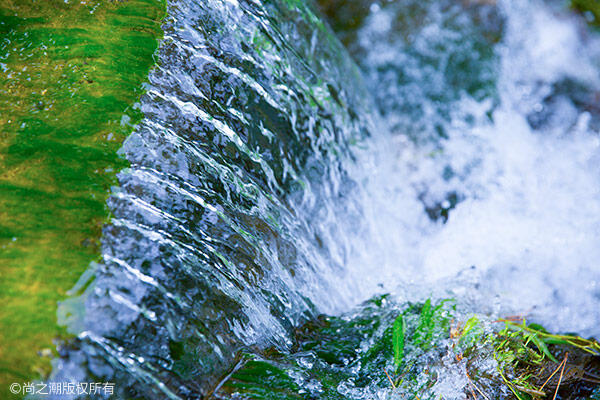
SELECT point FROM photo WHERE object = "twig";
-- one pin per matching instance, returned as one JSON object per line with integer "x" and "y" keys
{"x": 239, "y": 365}
{"x": 472, "y": 392}
{"x": 553, "y": 373}
{"x": 389, "y": 377}
{"x": 476, "y": 388}
{"x": 511, "y": 318}
{"x": 530, "y": 391}
{"x": 561, "y": 375}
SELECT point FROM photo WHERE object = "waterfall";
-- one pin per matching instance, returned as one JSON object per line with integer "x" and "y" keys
{"x": 275, "y": 176}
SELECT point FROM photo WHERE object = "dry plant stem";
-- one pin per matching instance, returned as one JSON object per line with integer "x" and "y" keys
{"x": 561, "y": 375}
{"x": 390, "y": 379}
{"x": 553, "y": 373}
{"x": 472, "y": 392}
{"x": 476, "y": 388}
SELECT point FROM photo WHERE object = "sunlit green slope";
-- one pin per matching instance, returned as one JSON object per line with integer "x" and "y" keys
{"x": 70, "y": 75}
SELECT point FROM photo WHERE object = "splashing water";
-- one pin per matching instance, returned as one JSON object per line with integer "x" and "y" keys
{"x": 520, "y": 195}
{"x": 266, "y": 188}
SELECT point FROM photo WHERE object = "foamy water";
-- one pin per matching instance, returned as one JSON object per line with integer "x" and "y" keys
{"x": 526, "y": 229}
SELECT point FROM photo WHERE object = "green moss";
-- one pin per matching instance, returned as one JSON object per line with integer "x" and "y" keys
{"x": 69, "y": 72}
{"x": 357, "y": 350}
{"x": 264, "y": 380}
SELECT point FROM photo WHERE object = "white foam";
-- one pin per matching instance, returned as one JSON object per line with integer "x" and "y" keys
{"x": 530, "y": 217}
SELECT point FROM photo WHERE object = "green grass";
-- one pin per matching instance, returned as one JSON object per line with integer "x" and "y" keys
{"x": 524, "y": 351}
{"x": 69, "y": 72}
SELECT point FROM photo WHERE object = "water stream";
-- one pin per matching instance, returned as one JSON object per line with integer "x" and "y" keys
{"x": 274, "y": 179}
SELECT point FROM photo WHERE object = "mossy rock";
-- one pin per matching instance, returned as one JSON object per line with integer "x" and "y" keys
{"x": 70, "y": 74}
{"x": 410, "y": 350}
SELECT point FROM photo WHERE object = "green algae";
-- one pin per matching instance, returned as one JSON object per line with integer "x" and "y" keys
{"x": 70, "y": 75}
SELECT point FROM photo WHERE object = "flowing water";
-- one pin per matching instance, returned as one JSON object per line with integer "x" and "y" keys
{"x": 515, "y": 168}
{"x": 273, "y": 179}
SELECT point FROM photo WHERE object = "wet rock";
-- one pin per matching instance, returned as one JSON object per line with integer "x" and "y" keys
{"x": 423, "y": 350}
{"x": 564, "y": 103}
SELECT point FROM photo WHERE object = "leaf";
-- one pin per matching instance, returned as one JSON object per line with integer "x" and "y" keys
{"x": 426, "y": 312}
{"x": 398, "y": 340}
{"x": 425, "y": 327}
{"x": 471, "y": 333}
{"x": 470, "y": 324}
{"x": 542, "y": 347}
{"x": 537, "y": 327}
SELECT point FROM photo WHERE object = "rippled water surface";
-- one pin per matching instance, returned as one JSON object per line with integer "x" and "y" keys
{"x": 450, "y": 151}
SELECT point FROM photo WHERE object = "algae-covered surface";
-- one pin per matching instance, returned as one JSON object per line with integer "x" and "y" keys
{"x": 70, "y": 75}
